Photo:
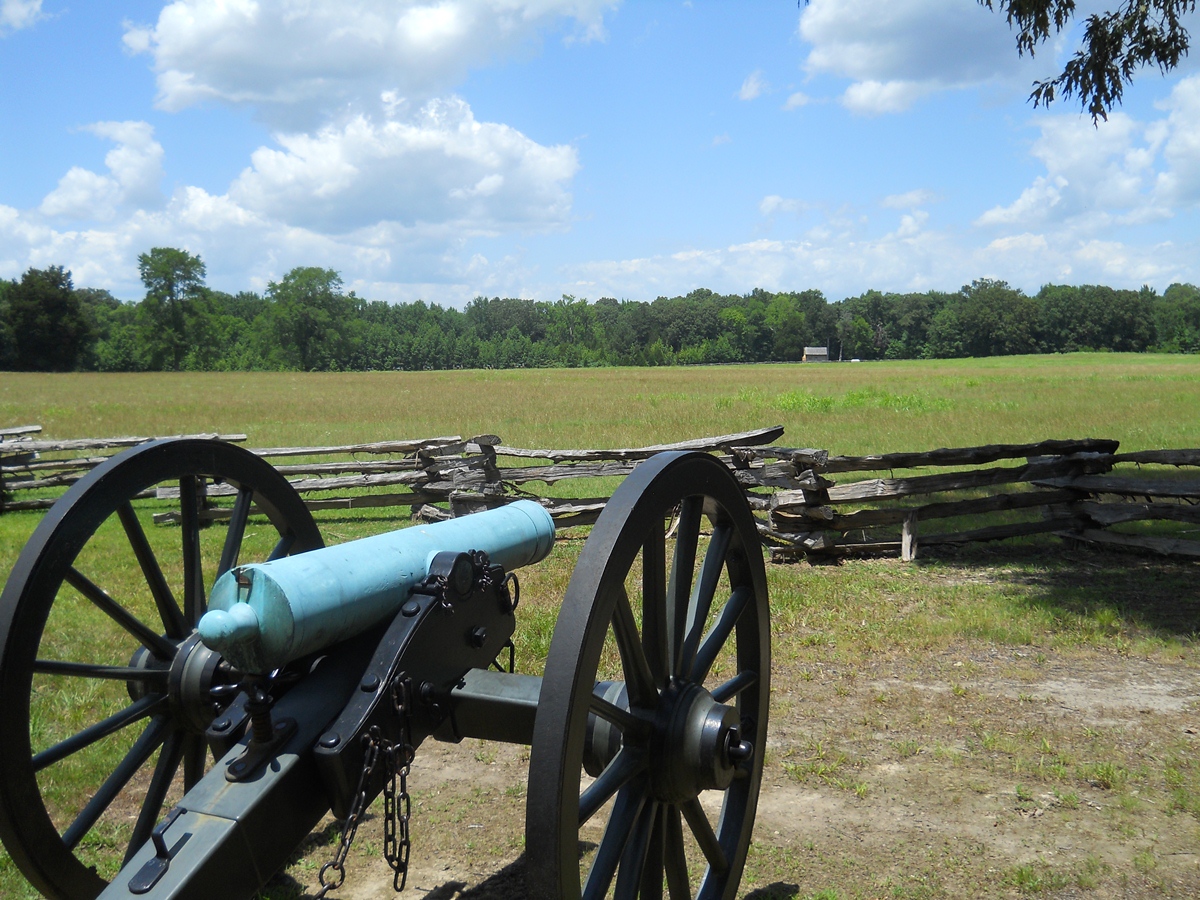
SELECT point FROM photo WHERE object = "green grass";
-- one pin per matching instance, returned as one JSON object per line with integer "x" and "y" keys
{"x": 1146, "y": 401}
{"x": 830, "y": 619}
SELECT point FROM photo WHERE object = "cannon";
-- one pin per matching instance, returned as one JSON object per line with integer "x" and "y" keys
{"x": 176, "y": 718}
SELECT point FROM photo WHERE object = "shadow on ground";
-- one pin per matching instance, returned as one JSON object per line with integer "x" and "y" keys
{"x": 1146, "y": 591}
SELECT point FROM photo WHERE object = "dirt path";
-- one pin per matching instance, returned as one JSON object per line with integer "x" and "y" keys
{"x": 988, "y": 771}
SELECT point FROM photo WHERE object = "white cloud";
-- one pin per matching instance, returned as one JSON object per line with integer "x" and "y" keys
{"x": 1180, "y": 139}
{"x": 912, "y": 223}
{"x": 897, "y": 52}
{"x": 753, "y": 87}
{"x": 874, "y": 98}
{"x": 82, "y": 194}
{"x": 773, "y": 203}
{"x": 298, "y": 63}
{"x": 1035, "y": 204}
{"x": 720, "y": 139}
{"x": 135, "y": 171}
{"x": 18, "y": 14}
{"x": 797, "y": 100}
{"x": 909, "y": 199}
{"x": 442, "y": 166}
{"x": 1119, "y": 172}
{"x": 911, "y": 258}
{"x": 394, "y": 202}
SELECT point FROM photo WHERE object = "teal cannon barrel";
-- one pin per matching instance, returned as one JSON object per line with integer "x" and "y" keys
{"x": 262, "y": 616}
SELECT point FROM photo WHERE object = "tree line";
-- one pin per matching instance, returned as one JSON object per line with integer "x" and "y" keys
{"x": 306, "y": 321}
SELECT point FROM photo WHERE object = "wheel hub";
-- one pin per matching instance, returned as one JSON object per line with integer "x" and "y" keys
{"x": 192, "y": 673}
{"x": 697, "y": 745}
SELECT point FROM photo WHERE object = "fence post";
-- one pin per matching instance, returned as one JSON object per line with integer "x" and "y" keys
{"x": 908, "y": 537}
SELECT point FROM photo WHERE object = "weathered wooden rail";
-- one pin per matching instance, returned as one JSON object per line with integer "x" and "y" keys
{"x": 1066, "y": 488}
{"x": 1069, "y": 488}
{"x": 436, "y": 478}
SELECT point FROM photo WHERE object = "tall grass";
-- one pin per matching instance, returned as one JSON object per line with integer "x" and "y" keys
{"x": 1145, "y": 401}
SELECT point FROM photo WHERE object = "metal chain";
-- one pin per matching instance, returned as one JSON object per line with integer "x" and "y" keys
{"x": 396, "y": 842}
{"x": 372, "y": 743}
{"x": 397, "y": 806}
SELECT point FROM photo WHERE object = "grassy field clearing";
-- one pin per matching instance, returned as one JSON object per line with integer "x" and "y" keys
{"x": 1007, "y": 720}
{"x": 1145, "y": 401}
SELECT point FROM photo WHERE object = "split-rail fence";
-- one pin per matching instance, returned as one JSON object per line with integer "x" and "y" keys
{"x": 809, "y": 503}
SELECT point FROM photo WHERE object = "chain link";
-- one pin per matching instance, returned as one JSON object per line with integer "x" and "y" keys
{"x": 396, "y": 842}
{"x": 397, "y": 807}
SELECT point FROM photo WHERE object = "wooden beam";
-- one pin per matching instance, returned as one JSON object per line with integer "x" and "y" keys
{"x": 1127, "y": 487}
{"x": 886, "y": 488}
{"x": 1161, "y": 457}
{"x": 825, "y": 517}
{"x": 1115, "y": 513}
{"x": 1160, "y": 545}
{"x": 102, "y": 443}
{"x": 960, "y": 456}
{"x": 410, "y": 446}
{"x": 721, "y": 442}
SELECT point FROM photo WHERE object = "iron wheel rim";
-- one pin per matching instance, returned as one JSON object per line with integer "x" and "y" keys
{"x": 38, "y": 847}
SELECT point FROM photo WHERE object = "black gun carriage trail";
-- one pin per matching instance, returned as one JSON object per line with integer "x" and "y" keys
{"x": 178, "y": 728}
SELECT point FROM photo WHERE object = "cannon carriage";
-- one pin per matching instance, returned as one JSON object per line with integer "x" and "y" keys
{"x": 177, "y": 730}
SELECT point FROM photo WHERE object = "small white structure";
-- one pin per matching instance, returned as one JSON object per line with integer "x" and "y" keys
{"x": 815, "y": 354}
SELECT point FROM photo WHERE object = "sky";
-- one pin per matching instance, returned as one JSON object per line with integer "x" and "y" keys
{"x": 596, "y": 148}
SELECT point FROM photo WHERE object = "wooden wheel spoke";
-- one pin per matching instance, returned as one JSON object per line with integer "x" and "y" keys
{"x": 721, "y": 630}
{"x": 652, "y": 870}
{"x": 675, "y": 860}
{"x": 706, "y": 589}
{"x": 723, "y": 693}
{"x": 654, "y": 603}
{"x": 237, "y": 530}
{"x": 702, "y": 830}
{"x": 156, "y": 793}
{"x": 140, "y": 709}
{"x": 634, "y": 860}
{"x": 195, "y": 750}
{"x": 283, "y": 546}
{"x": 168, "y": 609}
{"x": 617, "y": 833}
{"x": 193, "y": 565}
{"x": 622, "y": 718}
{"x": 679, "y": 590}
{"x": 145, "y": 745}
{"x": 157, "y": 677}
{"x": 639, "y": 680}
{"x": 624, "y": 767}
{"x": 158, "y": 645}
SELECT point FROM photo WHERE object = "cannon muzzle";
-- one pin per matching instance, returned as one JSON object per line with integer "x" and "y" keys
{"x": 264, "y": 615}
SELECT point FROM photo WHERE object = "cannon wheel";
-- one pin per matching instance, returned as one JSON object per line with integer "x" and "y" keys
{"x": 657, "y": 634}
{"x": 104, "y": 688}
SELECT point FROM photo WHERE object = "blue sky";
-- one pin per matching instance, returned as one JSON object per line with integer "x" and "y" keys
{"x": 543, "y": 147}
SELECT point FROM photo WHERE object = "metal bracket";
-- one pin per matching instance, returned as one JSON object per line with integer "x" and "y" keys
{"x": 258, "y": 754}
{"x": 154, "y": 869}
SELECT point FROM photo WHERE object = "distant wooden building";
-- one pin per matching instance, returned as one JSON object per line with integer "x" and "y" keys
{"x": 815, "y": 354}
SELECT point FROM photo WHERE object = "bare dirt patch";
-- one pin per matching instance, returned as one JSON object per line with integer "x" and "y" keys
{"x": 993, "y": 771}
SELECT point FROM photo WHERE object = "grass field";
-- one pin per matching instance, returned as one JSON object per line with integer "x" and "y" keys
{"x": 1145, "y": 401}
{"x": 1006, "y": 720}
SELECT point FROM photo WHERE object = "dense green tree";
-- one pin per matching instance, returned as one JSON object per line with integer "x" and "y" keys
{"x": 47, "y": 321}
{"x": 311, "y": 323}
{"x": 170, "y": 317}
{"x": 8, "y": 346}
{"x": 788, "y": 326}
{"x": 985, "y": 318}
{"x": 1177, "y": 319}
